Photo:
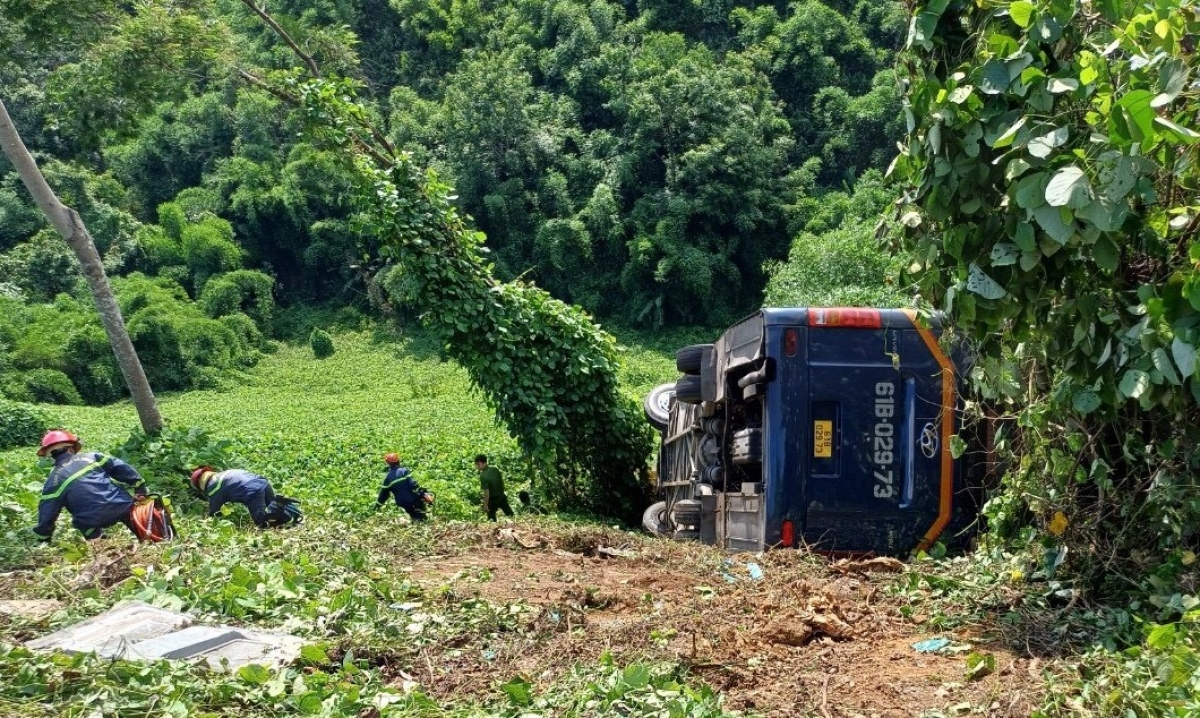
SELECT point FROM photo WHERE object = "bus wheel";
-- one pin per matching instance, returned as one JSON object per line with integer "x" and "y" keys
{"x": 657, "y": 405}
{"x": 654, "y": 519}
{"x": 689, "y": 359}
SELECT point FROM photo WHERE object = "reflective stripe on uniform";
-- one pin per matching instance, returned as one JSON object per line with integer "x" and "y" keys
{"x": 396, "y": 480}
{"x": 63, "y": 486}
{"x": 211, "y": 487}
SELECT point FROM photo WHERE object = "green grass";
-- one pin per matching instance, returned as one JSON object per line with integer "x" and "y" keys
{"x": 318, "y": 430}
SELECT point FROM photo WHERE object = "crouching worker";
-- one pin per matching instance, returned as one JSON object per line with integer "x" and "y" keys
{"x": 93, "y": 487}
{"x": 400, "y": 484}
{"x": 267, "y": 509}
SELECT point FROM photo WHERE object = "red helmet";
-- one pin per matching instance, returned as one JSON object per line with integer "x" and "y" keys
{"x": 199, "y": 472}
{"x": 55, "y": 437}
{"x": 391, "y": 458}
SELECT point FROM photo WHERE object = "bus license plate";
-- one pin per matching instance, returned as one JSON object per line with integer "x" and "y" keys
{"x": 823, "y": 439}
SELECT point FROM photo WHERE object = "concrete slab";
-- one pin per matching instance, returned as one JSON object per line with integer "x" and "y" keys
{"x": 138, "y": 631}
{"x": 111, "y": 633}
{"x": 221, "y": 645}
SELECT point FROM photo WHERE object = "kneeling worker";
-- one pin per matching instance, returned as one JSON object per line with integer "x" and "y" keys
{"x": 249, "y": 489}
{"x": 93, "y": 487}
{"x": 400, "y": 484}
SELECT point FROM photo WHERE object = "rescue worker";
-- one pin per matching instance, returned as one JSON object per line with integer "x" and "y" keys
{"x": 243, "y": 487}
{"x": 86, "y": 485}
{"x": 400, "y": 484}
{"x": 492, "y": 486}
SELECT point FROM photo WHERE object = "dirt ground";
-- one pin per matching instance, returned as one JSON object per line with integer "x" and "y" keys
{"x": 807, "y": 637}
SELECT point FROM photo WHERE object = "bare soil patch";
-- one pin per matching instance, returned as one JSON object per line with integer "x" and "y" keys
{"x": 808, "y": 637}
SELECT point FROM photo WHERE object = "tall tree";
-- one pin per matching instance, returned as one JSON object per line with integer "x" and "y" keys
{"x": 71, "y": 227}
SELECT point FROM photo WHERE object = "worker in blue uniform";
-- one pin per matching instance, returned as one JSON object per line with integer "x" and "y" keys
{"x": 94, "y": 488}
{"x": 399, "y": 483}
{"x": 246, "y": 488}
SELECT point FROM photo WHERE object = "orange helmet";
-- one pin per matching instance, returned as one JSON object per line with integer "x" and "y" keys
{"x": 53, "y": 438}
{"x": 198, "y": 474}
{"x": 391, "y": 458}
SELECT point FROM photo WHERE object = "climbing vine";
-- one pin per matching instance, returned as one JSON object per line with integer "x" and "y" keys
{"x": 545, "y": 367}
{"x": 1052, "y": 209}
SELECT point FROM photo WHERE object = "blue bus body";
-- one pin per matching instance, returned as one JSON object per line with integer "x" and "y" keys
{"x": 822, "y": 427}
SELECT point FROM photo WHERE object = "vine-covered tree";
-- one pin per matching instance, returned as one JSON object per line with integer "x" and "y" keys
{"x": 548, "y": 371}
{"x": 1052, "y": 206}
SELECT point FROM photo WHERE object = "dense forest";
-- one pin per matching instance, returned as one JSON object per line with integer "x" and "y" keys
{"x": 653, "y": 163}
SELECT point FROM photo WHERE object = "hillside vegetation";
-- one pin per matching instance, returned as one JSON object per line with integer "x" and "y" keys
{"x": 510, "y": 174}
{"x": 453, "y": 617}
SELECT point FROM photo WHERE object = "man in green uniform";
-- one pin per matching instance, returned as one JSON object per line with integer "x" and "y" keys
{"x": 492, "y": 485}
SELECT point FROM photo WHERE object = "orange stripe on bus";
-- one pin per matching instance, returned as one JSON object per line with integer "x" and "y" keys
{"x": 946, "y": 495}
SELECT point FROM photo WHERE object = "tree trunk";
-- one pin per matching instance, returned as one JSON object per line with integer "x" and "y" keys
{"x": 69, "y": 224}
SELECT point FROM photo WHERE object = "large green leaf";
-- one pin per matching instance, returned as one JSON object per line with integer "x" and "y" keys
{"x": 1183, "y": 134}
{"x": 1120, "y": 178}
{"x": 1051, "y": 220}
{"x": 1021, "y": 13}
{"x": 1185, "y": 357}
{"x": 1042, "y": 145}
{"x": 1162, "y": 362}
{"x": 1068, "y": 187}
{"x": 1059, "y": 85}
{"x": 1004, "y": 254}
{"x": 254, "y": 673}
{"x": 1138, "y": 113}
{"x": 1134, "y": 383}
{"x": 1106, "y": 254}
{"x": 1047, "y": 29}
{"x": 922, "y": 28}
{"x": 1024, "y": 237}
{"x": 1006, "y": 137}
{"x": 1015, "y": 169}
{"x": 1172, "y": 78}
{"x": 980, "y": 283}
{"x": 1086, "y": 401}
{"x": 1031, "y": 190}
{"x": 995, "y": 77}
{"x": 1106, "y": 216}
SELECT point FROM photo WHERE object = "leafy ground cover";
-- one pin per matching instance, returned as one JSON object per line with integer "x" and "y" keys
{"x": 545, "y": 616}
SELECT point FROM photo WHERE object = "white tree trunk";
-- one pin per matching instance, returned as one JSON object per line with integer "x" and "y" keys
{"x": 69, "y": 224}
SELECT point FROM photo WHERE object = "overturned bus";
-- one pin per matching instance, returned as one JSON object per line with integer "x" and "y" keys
{"x": 829, "y": 428}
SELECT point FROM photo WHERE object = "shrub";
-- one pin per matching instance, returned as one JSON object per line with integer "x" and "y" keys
{"x": 12, "y": 387}
{"x": 351, "y": 319}
{"x": 157, "y": 343}
{"x": 248, "y": 335}
{"x": 321, "y": 343}
{"x": 841, "y": 267}
{"x": 50, "y": 386}
{"x": 166, "y": 459}
{"x": 91, "y": 365}
{"x": 245, "y": 291}
{"x": 209, "y": 249}
{"x": 158, "y": 249}
{"x": 20, "y": 425}
{"x": 295, "y": 323}
{"x": 41, "y": 267}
